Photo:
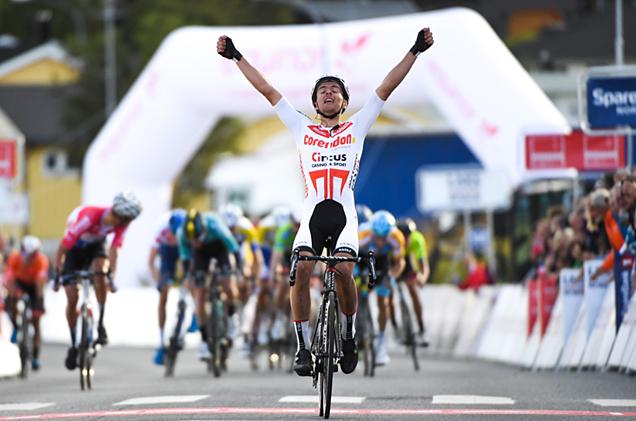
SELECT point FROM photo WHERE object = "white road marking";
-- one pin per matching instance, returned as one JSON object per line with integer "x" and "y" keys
{"x": 471, "y": 400}
{"x": 314, "y": 399}
{"x": 613, "y": 402}
{"x": 162, "y": 399}
{"x": 25, "y": 406}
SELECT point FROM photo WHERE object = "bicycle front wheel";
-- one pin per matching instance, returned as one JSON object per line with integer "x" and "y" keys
{"x": 25, "y": 352}
{"x": 329, "y": 355}
{"x": 215, "y": 330}
{"x": 84, "y": 354}
{"x": 408, "y": 332}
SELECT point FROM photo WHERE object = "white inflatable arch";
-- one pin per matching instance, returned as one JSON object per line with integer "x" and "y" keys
{"x": 469, "y": 74}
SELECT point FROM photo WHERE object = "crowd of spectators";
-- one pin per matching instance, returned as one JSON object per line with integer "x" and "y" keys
{"x": 597, "y": 224}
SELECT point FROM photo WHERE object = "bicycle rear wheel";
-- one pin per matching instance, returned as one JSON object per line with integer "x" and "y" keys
{"x": 328, "y": 366}
{"x": 369, "y": 339}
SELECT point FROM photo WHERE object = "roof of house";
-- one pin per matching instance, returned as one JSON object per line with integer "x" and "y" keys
{"x": 38, "y": 111}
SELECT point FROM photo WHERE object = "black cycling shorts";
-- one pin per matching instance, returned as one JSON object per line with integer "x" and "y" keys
{"x": 81, "y": 258}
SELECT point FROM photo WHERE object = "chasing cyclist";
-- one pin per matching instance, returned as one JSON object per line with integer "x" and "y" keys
{"x": 83, "y": 247}
{"x": 416, "y": 272}
{"x": 330, "y": 158}
{"x": 203, "y": 237}
{"x": 27, "y": 272}
{"x": 167, "y": 248}
{"x": 387, "y": 242}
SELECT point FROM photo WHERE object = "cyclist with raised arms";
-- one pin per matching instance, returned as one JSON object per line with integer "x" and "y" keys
{"x": 83, "y": 247}
{"x": 330, "y": 158}
{"x": 387, "y": 242}
{"x": 167, "y": 249}
{"x": 416, "y": 272}
{"x": 27, "y": 272}
{"x": 203, "y": 237}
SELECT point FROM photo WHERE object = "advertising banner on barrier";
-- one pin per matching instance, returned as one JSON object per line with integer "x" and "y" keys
{"x": 576, "y": 150}
{"x": 548, "y": 293}
{"x": 595, "y": 290}
{"x": 533, "y": 304}
{"x": 571, "y": 288}
{"x": 623, "y": 264}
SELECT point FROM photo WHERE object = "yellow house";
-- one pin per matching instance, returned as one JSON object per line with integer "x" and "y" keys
{"x": 33, "y": 87}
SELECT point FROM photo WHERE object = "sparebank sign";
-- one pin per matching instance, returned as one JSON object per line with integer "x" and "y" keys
{"x": 611, "y": 102}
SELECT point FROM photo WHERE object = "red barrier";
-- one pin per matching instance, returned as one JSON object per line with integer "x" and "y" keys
{"x": 548, "y": 292}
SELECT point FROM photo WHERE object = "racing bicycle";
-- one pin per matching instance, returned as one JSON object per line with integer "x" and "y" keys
{"x": 326, "y": 343}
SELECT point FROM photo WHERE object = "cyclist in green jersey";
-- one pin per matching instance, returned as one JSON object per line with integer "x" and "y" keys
{"x": 280, "y": 265}
{"x": 417, "y": 271}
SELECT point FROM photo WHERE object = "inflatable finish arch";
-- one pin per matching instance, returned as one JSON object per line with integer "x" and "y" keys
{"x": 186, "y": 87}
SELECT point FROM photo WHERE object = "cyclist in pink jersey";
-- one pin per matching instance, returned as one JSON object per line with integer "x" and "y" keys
{"x": 330, "y": 155}
{"x": 83, "y": 248}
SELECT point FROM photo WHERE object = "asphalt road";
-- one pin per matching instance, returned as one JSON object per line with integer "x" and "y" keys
{"x": 128, "y": 386}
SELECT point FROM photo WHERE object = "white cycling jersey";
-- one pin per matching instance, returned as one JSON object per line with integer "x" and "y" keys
{"x": 329, "y": 162}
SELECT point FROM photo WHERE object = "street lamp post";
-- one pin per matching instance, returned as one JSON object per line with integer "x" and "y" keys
{"x": 110, "y": 57}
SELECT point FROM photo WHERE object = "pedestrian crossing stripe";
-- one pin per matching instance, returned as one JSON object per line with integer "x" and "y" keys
{"x": 314, "y": 399}
{"x": 150, "y": 400}
{"x": 471, "y": 400}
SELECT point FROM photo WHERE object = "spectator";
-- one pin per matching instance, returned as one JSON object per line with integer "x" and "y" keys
{"x": 478, "y": 273}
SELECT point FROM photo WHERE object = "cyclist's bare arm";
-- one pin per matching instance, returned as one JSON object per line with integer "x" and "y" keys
{"x": 151, "y": 263}
{"x": 398, "y": 267}
{"x": 59, "y": 258}
{"x": 399, "y": 72}
{"x": 255, "y": 77}
{"x": 426, "y": 271}
{"x": 276, "y": 260}
{"x": 113, "y": 254}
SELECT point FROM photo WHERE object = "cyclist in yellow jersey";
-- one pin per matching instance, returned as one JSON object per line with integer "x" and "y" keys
{"x": 252, "y": 259}
{"x": 417, "y": 271}
{"x": 329, "y": 154}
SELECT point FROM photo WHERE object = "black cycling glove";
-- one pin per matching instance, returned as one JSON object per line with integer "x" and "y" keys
{"x": 420, "y": 44}
{"x": 230, "y": 51}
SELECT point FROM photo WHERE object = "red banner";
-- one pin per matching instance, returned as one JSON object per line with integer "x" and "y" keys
{"x": 8, "y": 158}
{"x": 548, "y": 292}
{"x": 576, "y": 150}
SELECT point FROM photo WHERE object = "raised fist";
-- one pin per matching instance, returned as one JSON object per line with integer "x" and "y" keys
{"x": 423, "y": 41}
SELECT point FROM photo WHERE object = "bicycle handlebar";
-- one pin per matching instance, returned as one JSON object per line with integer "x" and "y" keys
{"x": 332, "y": 261}
{"x": 84, "y": 274}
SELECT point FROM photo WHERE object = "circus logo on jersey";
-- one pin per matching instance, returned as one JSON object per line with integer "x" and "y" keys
{"x": 323, "y": 160}
{"x": 328, "y": 176}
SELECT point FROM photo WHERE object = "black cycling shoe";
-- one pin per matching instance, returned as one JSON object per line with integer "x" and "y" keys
{"x": 302, "y": 362}
{"x": 102, "y": 336}
{"x": 71, "y": 358}
{"x": 349, "y": 360}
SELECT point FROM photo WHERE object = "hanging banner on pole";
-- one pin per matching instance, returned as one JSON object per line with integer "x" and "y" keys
{"x": 623, "y": 266}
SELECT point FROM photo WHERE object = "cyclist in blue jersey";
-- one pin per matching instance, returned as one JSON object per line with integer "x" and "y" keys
{"x": 167, "y": 249}
{"x": 387, "y": 242}
{"x": 203, "y": 237}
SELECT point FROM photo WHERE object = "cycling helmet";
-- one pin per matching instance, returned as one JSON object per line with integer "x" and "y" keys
{"x": 364, "y": 213}
{"x": 126, "y": 205}
{"x": 281, "y": 215}
{"x": 30, "y": 244}
{"x": 382, "y": 222}
{"x": 193, "y": 225}
{"x": 407, "y": 226}
{"x": 296, "y": 215}
{"x": 176, "y": 219}
{"x": 230, "y": 214}
{"x": 336, "y": 79}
